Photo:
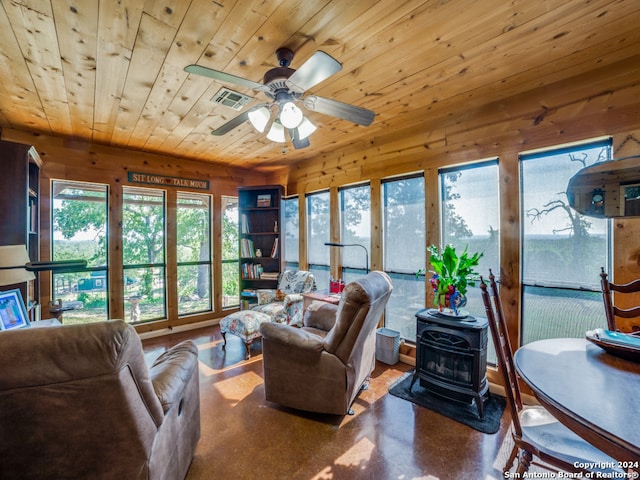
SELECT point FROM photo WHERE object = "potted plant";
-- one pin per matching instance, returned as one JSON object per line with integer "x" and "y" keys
{"x": 451, "y": 276}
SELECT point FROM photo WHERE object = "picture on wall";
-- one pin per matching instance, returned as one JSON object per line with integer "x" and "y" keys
{"x": 13, "y": 313}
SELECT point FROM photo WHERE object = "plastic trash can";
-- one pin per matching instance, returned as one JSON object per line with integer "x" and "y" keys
{"x": 387, "y": 346}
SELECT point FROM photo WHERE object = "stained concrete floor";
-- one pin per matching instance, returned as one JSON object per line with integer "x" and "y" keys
{"x": 245, "y": 437}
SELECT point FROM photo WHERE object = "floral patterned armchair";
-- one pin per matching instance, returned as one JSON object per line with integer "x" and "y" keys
{"x": 284, "y": 305}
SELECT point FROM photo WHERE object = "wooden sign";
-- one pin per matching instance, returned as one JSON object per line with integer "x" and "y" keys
{"x": 150, "y": 178}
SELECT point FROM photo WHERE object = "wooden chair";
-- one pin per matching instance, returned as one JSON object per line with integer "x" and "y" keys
{"x": 535, "y": 431}
{"x": 610, "y": 309}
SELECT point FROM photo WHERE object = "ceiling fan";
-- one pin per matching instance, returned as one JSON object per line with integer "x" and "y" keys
{"x": 286, "y": 87}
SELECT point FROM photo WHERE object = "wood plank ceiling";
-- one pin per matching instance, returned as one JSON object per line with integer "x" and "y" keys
{"x": 111, "y": 72}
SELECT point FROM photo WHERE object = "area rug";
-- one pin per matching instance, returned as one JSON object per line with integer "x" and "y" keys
{"x": 460, "y": 412}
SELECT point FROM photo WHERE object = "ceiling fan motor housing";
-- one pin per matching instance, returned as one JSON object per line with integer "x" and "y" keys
{"x": 276, "y": 77}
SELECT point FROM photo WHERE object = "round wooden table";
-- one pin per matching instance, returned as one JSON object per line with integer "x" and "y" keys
{"x": 592, "y": 392}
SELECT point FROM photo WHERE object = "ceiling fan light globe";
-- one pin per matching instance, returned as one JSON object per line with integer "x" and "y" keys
{"x": 259, "y": 118}
{"x": 306, "y": 128}
{"x": 290, "y": 115}
{"x": 276, "y": 133}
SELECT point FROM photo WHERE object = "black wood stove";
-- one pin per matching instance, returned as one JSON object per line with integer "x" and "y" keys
{"x": 452, "y": 357}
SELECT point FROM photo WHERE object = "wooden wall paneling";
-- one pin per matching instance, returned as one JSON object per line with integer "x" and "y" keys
{"x": 335, "y": 253}
{"x": 217, "y": 206}
{"x": 171, "y": 255}
{"x": 114, "y": 242}
{"x": 510, "y": 242}
{"x": 303, "y": 258}
{"x": 44, "y": 215}
{"x": 626, "y": 231}
{"x": 433, "y": 233}
{"x": 376, "y": 220}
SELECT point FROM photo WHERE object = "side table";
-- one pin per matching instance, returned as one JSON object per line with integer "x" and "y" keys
{"x": 319, "y": 296}
{"x": 49, "y": 322}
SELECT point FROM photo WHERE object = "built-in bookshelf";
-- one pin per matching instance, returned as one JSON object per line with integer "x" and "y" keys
{"x": 19, "y": 220}
{"x": 259, "y": 221}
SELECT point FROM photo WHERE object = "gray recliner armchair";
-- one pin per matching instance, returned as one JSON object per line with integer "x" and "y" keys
{"x": 78, "y": 401}
{"x": 322, "y": 366}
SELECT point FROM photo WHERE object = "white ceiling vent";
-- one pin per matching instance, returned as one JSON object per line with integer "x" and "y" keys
{"x": 231, "y": 99}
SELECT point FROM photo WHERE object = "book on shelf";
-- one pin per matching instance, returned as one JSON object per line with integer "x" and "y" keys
{"x": 269, "y": 275}
{"x": 274, "y": 249}
{"x": 247, "y": 249}
{"x": 252, "y": 271}
{"x": 244, "y": 224}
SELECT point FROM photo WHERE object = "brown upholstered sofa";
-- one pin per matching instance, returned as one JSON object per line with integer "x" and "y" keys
{"x": 322, "y": 366}
{"x": 78, "y": 401}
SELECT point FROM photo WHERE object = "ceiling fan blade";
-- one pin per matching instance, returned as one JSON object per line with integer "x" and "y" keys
{"x": 224, "y": 77}
{"x": 351, "y": 113}
{"x": 231, "y": 124}
{"x": 319, "y": 67}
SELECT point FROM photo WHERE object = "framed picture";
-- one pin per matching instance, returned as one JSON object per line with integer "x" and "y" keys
{"x": 13, "y": 312}
{"x": 264, "y": 200}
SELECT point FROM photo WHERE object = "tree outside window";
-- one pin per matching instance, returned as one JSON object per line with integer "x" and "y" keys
{"x": 79, "y": 221}
{"x": 143, "y": 252}
{"x": 355, "y": 228}
{"x": 230, "y": 253}
{"x": 404, "y": 251}
{"x": 470, "y": 219}
{"x": 290, "y": 206}
{"x": 194, "y": 253}
{"x": 562, "y": 250}
{"x": 317, "y": 234}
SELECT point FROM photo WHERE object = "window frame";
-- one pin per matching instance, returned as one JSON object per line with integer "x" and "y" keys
{"x": 162, "y": 266}
{"x": 320, "y": 270}
{"x": 79, "y": 185}
{"x": 230, "y": 261}
{"x": 528, "y": 288}
{"x": 406, "y": 329}
{"x": 352, "y": 272}
{"x": 209, "y": 262}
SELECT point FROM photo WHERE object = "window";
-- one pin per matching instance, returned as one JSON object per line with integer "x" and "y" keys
{"x": 79, "y": 222}
{"x": 290, "y": 206}
{"x": 404, "y": 251}
{"x": 470, "y": 218}
{"x": 193, "y": 219}
{"x": 355, "y": 229}
{"x": 562, "y": 251}
{"x": 143, "y": 252}
{"x": 230, "y": 253}
{"x": 317, "y": 234}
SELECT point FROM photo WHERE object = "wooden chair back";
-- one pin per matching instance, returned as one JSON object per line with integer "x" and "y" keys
{"x": 502, "y": 345}
{"x": 610, "y": 309}
{"x": 535, "y": 431}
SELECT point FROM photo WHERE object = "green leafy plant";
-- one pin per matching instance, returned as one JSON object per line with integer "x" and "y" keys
{"x": 451, "y": 272}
